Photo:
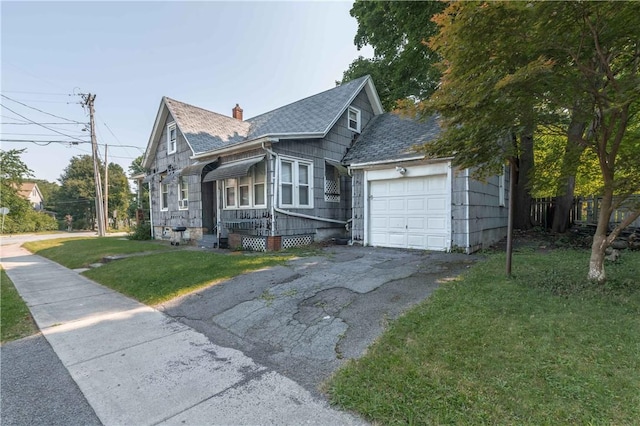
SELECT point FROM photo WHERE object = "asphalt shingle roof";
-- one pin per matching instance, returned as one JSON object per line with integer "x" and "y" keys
{"x": 390, "y": 136}
{"x": 206, "y": 130}
{"x": 309, "y": 115}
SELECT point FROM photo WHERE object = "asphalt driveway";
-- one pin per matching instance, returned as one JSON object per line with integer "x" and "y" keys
{"x": 306, "y": 318}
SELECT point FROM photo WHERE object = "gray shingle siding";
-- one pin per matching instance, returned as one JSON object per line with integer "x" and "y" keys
{"x": 191, "y": 218}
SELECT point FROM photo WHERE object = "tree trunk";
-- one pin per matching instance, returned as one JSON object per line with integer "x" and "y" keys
{"x": 562, "y": 207}
{"x": 570, "y": 161}
{"x": 600, "y": 243}
{"x": 522, "y": 213}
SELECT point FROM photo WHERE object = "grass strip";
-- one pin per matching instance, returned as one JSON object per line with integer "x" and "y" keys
{"x": 15, "y": 317}
{"x": 156, "y": 278}
{"x": 82, "y": 252}
{"x": 544, "y": 347}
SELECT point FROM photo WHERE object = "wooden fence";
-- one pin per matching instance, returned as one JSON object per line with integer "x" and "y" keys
{"x": 584, "y": 211}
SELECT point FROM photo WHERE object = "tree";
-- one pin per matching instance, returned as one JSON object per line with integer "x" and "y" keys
{"x": 510, "y": 68}
{"x": 485, "y": 97}
{"x": 402, "y": 62}
{"x": 119, "y": 192}
{"x": 141, "y": 198}
{"x": 77, "y": 190}
{"x": 13, "y": 171}
{"x": 21, "y": 217}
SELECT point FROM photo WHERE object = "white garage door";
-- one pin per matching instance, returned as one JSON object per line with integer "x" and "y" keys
{"x": 409, "y": 213}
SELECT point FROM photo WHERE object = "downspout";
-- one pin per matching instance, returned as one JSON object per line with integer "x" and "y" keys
{"x": 153, "y": 232}
{"x": 275, "y": 208}
{"x": 274, "y": 184}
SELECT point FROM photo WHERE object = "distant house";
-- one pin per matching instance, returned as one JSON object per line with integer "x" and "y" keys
{"x": 332, "y": 165}
{"x": 31, "y": 192}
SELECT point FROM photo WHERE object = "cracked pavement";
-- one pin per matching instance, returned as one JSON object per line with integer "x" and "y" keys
{"x": 306, "y": 318}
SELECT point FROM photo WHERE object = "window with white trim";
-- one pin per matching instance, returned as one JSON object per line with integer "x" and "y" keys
{"x": 331, "y": 183}
{"x": 247, "y": 191}
{"x": 501, "y": 188}
{"x": 353, "y": 117}
{"x": 172, "y": 138}
{"x": 183, "y": 193}
{"x": 259, "y": 188}
{"x": 164, "y": 196}
{"x": 230, "y": 192}
{"x": 296, "y": 189}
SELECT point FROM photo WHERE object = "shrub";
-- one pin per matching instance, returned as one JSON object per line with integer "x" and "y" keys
{"x": 141, "y": 232}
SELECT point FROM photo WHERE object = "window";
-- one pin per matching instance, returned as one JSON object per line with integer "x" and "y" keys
{"x": 331, "y": 183}
{"x": 244, "y": 183}
{"x": 501, "y": 188}
{"x": 259, "y": 178}
{"x": 164, "y": 196}
{"x": 230, "y": 192}
{"x": 183, "y": 197}
{"x": 296, "y": 189}
{"x": 172, "y": 136}
{"x": 247, "y": 191}
{"x": 353, "y": 116}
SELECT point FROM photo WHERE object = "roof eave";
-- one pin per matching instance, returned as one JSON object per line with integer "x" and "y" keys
{"x": 239, "y": 147}
{"x": 397, "y": 160}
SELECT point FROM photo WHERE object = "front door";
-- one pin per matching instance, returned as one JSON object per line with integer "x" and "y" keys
{"x": 209, "y": 219}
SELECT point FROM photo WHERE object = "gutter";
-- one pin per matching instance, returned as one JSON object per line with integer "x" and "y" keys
{"x": 396, "y": 160}
{"x": 242, "y": 146}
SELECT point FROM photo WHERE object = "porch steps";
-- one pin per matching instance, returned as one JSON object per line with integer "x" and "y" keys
{"x": 208, "y": 241}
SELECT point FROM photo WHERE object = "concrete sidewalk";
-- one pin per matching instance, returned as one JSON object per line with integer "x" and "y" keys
{"x": 137, "y": 366}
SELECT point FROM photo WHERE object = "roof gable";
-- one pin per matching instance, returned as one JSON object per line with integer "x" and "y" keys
{"x": 26, "y": 189}
{"x": 315, "y": 115}
{"x": 391, "y": 136}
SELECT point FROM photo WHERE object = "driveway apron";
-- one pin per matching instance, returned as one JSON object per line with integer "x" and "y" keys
{"x": 136, "y": 365}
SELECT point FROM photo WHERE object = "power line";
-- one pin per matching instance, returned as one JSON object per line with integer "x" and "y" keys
{"x": 30, "y": 124}
{"x": 29, "y": 134}
{"x": 37, "y": 93}
{"x": 39, "y": 110}
{"x": 41, "y": 125}
{"x": 41, "y": 142}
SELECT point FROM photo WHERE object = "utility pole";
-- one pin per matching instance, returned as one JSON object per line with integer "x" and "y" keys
{"x": 100, "y": 216}
{"x": 106, "y": 189}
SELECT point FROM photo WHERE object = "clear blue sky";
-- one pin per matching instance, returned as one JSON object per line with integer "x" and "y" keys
{"x": 261, "y": 55}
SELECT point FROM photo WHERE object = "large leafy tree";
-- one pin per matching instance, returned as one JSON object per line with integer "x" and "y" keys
{"x": 398, "y": 32}
{"x": 77, "y": 189}
{"x": 510, "y": 68}
{"x": 490, "y": 70}
{"x": 13, "y": 171}
{"x": 119, "y": 191}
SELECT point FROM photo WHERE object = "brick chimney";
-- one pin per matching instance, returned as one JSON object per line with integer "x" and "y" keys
{"x": 237, "y": 112}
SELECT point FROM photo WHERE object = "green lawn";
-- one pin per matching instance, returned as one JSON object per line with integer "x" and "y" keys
{"x": 81, "y": 252}
{"x": 545, "y": 347}
{"x": 156, "y": 278}
{"x": 15, "y": 318}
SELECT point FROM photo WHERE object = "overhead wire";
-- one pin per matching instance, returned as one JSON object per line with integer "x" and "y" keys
{"x": 41, "y": 125}
{"x": 37, "y": 109}
{"x": 37, "y": 93}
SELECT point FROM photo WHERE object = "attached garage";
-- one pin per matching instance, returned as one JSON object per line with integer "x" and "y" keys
{"x": 403, "y": 199}
{"x": 411, "y": 209}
